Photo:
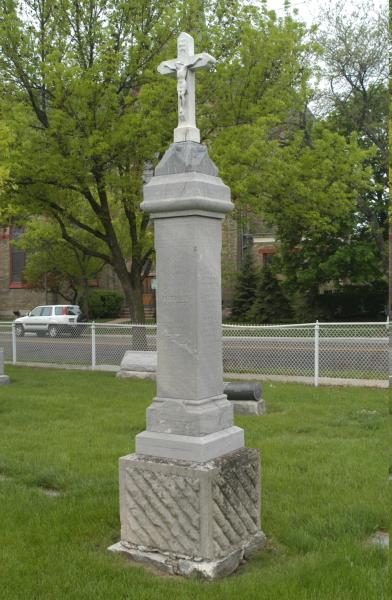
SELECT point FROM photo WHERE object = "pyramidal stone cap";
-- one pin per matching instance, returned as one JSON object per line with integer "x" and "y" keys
{"x": 186, "y": 157}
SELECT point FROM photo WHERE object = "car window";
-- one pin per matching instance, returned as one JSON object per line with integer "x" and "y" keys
{"x": 36, "y": 312}
{"x": 46, "y": 311}
{"x": 71, "y": 311}
{"x": 58, "y": 310}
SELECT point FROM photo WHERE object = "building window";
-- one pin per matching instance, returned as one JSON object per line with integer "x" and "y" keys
{"x": 17, "y": 260}
{"x": 266, "y": 254}
{"x": 267, "y": 258}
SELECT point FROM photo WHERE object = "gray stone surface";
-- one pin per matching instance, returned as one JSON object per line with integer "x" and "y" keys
{"x": 189, "y": 337}
{"x": 249, "y": 407}
{"x": 185, "y": 157}
{"x": 140, "y": 365}
{"x": 186, "y": 194}
{"x": 195, "y": 448}
{"x": 187, "y": 208}
{"x": 209, "y": 570}
{"x": 180, "y": 514}
{"x": 190, "y": 417}
{"x": 4, "y": 379}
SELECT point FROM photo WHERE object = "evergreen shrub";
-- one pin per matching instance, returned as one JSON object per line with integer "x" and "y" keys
{"x": 104, "y": 304}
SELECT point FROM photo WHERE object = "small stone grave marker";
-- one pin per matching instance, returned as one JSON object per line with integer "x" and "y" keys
{"x": 4, "y": 379}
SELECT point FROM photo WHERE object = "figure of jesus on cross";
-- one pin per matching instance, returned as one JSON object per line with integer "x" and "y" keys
{"x": 183, "y": 67}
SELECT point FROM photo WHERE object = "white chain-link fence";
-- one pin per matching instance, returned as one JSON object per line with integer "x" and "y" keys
{"x": 321, "y": 352}
{"x": 311, "y": 352}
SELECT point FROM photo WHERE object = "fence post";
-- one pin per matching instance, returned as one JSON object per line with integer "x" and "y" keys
{"x": 93, "y": 346}
{"x": 316, "y": 353}
{"x": 13, "y": 344}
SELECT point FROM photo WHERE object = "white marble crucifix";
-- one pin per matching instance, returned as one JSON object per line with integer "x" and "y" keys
{"x": 183, "y": 67}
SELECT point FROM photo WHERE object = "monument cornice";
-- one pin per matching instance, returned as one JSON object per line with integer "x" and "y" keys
{"x": 191, "y": 193}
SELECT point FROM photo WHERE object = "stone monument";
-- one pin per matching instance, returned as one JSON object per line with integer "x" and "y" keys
{"x": 4, "y": 379}
{"x": 138, "y": 365}
{"x": 190, "y": 495}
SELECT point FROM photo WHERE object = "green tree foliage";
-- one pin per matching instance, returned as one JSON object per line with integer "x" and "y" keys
{"x": 89, "y": 112}
{"x": 5, "y": 139}
{"x": 321, "y": 185}
{"x": 86, "y": 113}
{"x": 355, "y": 57}
{"x": 104, "y": 304}
{"x": 271, "y": 304}
{"x": 83, "y": 100}
{"x": 245, "y": 288}
{"x": 56, "y": 266}
{"x": 307, "y": 186}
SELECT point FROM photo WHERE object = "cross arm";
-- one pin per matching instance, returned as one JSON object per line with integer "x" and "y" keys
{"x": 168, "y": 67}
{"x": 201, "y": 60}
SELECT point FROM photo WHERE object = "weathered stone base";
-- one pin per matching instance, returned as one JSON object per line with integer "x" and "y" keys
{"x": 4, "y": 379}
{"x": 187, "y": 566}
{"x": 185, "y": 517}
{"x": 249, "y": 407}
{"x": 138, "y": 365}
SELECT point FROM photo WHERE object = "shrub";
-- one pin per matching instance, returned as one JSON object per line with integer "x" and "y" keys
{"x": 104, "y": 304}
{"x": 245, "y": 288}
{"x": 355, "y": 303}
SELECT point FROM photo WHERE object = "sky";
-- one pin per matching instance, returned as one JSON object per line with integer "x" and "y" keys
{"x": 309, "y": 9}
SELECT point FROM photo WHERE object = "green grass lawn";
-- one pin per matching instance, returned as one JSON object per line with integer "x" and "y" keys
{"x": 325, "y": 460}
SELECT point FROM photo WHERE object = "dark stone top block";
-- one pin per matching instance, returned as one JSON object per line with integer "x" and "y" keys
{"x": 186, "y": 157}
{"x": 244, "y": 390}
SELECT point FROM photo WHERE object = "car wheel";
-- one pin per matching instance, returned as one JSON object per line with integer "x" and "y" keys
{"x": 19, "y": 330}
{"x": 52, "y": 331}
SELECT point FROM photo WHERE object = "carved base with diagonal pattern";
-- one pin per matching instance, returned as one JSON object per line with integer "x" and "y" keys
{"x": 193, "y": 514}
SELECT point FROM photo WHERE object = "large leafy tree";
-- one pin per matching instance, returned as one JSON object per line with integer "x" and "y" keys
{"x": 54, "y": 265}
{"x": 80, "y": 94}
{"x": 355, "y": 65}
{"x": 307, "y": 185}
{"x": 80, "y": 91}
{"x": 320, "y": 180}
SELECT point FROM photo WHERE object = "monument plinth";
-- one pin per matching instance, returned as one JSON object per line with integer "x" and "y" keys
{"x": 190, "y": 496}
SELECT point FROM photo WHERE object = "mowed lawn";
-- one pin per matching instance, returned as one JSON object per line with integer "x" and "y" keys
{"x": 325, "y": 458}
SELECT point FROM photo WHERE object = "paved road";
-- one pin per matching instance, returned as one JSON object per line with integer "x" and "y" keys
{"x": 350, "y": 357}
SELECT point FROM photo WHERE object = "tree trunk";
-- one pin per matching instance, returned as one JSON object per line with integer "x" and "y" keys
{"x": 139, "y": 333}
{"x": 133, "y": 290}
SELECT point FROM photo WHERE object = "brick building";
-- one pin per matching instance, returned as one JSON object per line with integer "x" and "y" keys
{"x": 14, "y": 293}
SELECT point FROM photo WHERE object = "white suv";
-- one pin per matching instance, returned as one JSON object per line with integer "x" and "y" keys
{"x": 51, "y": 319}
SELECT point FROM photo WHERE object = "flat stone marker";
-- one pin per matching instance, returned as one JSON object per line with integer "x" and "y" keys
{"x": 140, "y": 365}
{"x": 190, "y": 495}
{"x": 4, "y": 379}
